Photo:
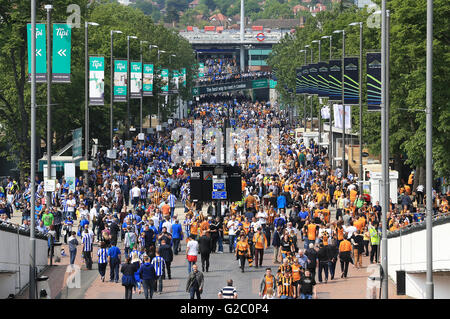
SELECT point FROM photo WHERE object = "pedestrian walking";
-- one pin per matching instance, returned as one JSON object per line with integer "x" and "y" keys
{"x": 323, "y": 258}
{"x": 148, "y": 276}
{"x": 114, "y": 263}
{"x": 205, "y": 244}
{"x": 191, "y": 252}
{"x": 267, "y": 282}
{"x": 260, "y": 243}
{"x": 102, "y": 255}
{"x": 87, "y": 248}
{"x": 195, "y": 282}
{"x": 159, "y": 264}
{"x": 73, "y": 243}
{"x": 374, "y": 242}
{"x": 128, "y": 280}
{"x": 242, "y": 251}
{"x": 228, "y": 292}
{"x": 177, "y": 236}
{"x": 345, "y": 257}
{"x": 357, "y": 241}
{"x": 276, "y": 243}
{"x": 307, "y": 286}
{"x": 311, "y": 253}
{"x": 165, "y": 251}
{"x": 286, "y": 286}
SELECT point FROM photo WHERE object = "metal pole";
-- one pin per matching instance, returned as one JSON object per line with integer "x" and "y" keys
{"x": 360, "y": 104}
{"x": 111, "y": 94}
{"x": 86, "y": 97}
{"x": 242, "y": 27}
{"x": 384, "y": 158}
{"x": 331, "y": 120}
{"x": 142, "y": 98}
{"x": 344, "y": 167}
{"x": 304, "y": 102}
{"x": 127, "y": 125}
{"x": 429, "y": 151}
{"x": 49, "y": 101}
{"x": 32, "y": 285}
{"x": 320, "y": 113}
{"x": 311, "y": 96}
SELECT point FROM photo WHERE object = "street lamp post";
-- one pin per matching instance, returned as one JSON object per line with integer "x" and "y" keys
{"x": 48, "y": 196}
{"x": 344, "y": 167}
{"x": 360, "y": 99}
{"x": 330, "y": 150}
{"x": 86, "y": 95}
{"x": 32, "y": 259}
{"x": 320, "y": 115}
{"x": 304, "y": 97}
{"x": 157, "y": 98}
{"x": 311, "y": 96}
{"x": 127, "y": 133}
{"x": 142, "y": 96}
{"x": 112, "y": 88}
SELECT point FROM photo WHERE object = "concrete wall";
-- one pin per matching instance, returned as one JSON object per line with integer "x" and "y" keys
{"x": 408, "y": 253}
{"x": 14, "y": 261}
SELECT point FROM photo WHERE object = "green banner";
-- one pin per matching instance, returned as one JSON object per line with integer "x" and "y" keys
{"x": 41, "y": 53}
{"x": 164, "y": 81}
{"x": 183, "y": 76}
{"x": 77, "y": 138}
{"x": 96, "y": 80}
{"x": 201, "y": 70}
{"x": 175, "y": 82}
{"x": 61, "y": 53}
{"x": 135, "y": 80}
{"x": 261, "y": 83}
{"x": 272, "y": 84}
{"x": 120, "y": 80}
{"x": 148, "y": 80}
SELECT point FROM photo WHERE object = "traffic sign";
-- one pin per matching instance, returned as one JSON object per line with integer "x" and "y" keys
{"x": 219, "y": 195}
{"x": 49, "y": 185}
{"x": 61, "y": 53}
{"x": 41, "y": 53}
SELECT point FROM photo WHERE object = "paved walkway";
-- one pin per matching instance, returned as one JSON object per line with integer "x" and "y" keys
{"x": 223, "y": 266}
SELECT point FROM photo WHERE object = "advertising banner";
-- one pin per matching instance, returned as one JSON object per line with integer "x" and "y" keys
{"x": 338, "y": 112}
{"x": 298, "y": 81}
{"x": 351, "y": 81}
{"x": 120, "y": 80}
{"x": 77, "y": 138}
{"x": 148, "y": 80}
{"x": 373, "y": 81}
{"x": 41, "y": 52}
{"x": 174, "y": 82}
{"x": 201, "y": 70}
{"x": 183, "y": 76}
{"x": 335, "y": 80}
{"x": 164, "y": 81}
{"x": 305, "y": 80}
{"x": 322, "y": 79}
{"x": 96, "y": 80}
{"x": 61, "y": 53}
{"x": 135, "y": 80}
{"x": 313, "y": 73}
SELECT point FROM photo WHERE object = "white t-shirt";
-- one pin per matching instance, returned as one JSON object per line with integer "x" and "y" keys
{"x": 232, "y": 226}
{"x": 192, "y": 245}
{"x": 71, "y": 203}
{"x": 262, "y": 216}
{"x": 350, "y": 230}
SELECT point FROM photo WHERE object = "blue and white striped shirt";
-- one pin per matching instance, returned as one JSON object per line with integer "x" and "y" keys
{"x": 159, "y": 265}
{"x": 172, "y": 199}
{"x": 102, "y": 254}
{"x": 87, "y": 242}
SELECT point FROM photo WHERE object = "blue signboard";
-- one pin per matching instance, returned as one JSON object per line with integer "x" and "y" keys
{"x": 219, "y": 195}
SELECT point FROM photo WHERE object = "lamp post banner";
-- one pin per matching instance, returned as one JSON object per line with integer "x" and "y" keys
{"x": 351, "y": 81}
{"x": 62, "y": 34}
{"x": 322, "y": 79}
{"x": 165, "y": 81}
{"x": 335, "y": 80}
{"x": 201, "y": 70}
{"x": 305, "y": 80}
{"x": 41, "y": 53}
{"x": 298, "y": 81}
{"x": 313, "y": 72}
{"x": 183, "y": 76}
{"x": 120, "y": 80}
{"x": 135, "y": 80}
{"x": 373, "y": 61}
{"x": 96, "y": 80}
{"x": 147, "y": 81}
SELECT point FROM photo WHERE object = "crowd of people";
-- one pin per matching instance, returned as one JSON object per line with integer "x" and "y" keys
{"x": 127, "y": 209}
{"x": 232, "y": 77}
